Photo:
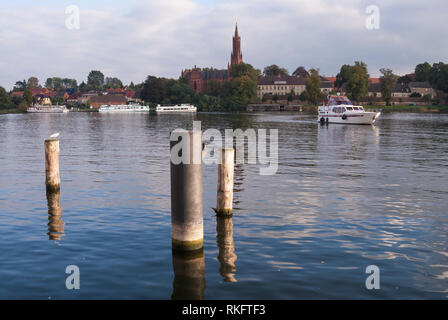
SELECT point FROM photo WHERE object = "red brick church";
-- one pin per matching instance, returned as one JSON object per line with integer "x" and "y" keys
{"x": 199, "y": 78}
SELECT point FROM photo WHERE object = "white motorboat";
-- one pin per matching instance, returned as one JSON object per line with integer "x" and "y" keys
{"x": 340, "y": 109}
{"x": 176, "y": 108}
{"x": 38, "y": 108}
{"x": 124, "y": 108}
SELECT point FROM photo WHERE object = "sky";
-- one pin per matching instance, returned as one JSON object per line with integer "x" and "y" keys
{"x": 133, "y": 39}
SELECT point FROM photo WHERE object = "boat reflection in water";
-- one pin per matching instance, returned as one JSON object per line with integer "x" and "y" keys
{"x": 189, "y": 275}
{"x": 55, "y": 223}
{"x": 226, "y": 255}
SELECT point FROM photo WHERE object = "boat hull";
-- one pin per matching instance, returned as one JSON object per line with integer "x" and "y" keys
{"x": 123, "y": 111}
{"x": 360, "y": 118}
{"x": 47, "y": 111}
{"x": 172, "y": 111}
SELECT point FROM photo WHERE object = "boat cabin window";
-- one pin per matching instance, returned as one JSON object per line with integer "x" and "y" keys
{"x": 338, "y": 109}
{"x": 349, "y": 109}
{"x": 355, "y": 108}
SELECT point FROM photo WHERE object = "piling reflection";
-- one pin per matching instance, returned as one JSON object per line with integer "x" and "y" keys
{"x": 189, "y": 275}
{"x": 55, "y": 223}
{"x": 238, "y": 186}
{"x": 226, "y": 247}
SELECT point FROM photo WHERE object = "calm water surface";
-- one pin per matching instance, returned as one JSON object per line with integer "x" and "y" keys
{"x": 344, "y": 197}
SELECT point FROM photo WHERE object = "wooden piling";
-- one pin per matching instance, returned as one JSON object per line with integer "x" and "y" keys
{"x": 52, "y": 178}
{"x": 187, "y": 223}
{"x": 224, "y": 205}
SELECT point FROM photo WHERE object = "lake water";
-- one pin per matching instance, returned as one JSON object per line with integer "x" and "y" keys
{"x": 344, "y": 198}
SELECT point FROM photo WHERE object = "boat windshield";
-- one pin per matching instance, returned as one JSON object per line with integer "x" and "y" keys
{"x": 339, "y": 100}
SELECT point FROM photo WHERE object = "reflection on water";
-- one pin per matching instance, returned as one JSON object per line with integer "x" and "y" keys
{"x": 226, "y": 247}
{"x": 238, "y": 187}
{"x": 55, "y": 223}
{"x": 189, "y": 275}
{"x": 344, "y": 197}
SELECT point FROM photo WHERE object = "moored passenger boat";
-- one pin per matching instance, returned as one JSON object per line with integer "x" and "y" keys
{"x": 340, "y": 109}
{"x": 123, "y": 108}
{"x": 176, "y": 108}
{"x": 39, "y": 108}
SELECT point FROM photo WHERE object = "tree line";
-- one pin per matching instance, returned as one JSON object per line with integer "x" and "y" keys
{"x": 218, "y": 96}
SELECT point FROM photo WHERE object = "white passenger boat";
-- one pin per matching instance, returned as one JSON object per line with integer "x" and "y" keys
{"x": 123, "y": 108}
{"x": 38, "y": 108}
{"x": 340, "y": 109}
{"x": 176, "y": 108}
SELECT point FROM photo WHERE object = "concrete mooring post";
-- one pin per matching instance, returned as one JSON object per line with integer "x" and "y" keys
{"x": 224, "y": 204}
{"x": 52, "y": 178}
{"x": 187, "y": 223}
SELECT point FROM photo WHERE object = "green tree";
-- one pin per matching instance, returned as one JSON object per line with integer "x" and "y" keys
{"x": 95, "y": 80}
{"x": 113, "y": 83}
{"x": 5, "y": 100}
{"x": 83, "y": 87}
{"x": 438, "y": 77}
{"x": 312, "y": 92}
{"x": 343, "y": 75}
{"x": 154, "y": 90}
{"x": 427, "y": 98}
{"x": 69, "y": 83}
{"x": 243, "y": 87}
{"x": 388, "y": 81}
{"x": 27, "y": 97}
{"x": 422, "y": 72}
{"x": 20, "y": 86}
{"x": 357, "y": 81}
{"x": 301, "y": 72}
{"x": 275, "y": 70}
{"x": 33, "y": 82}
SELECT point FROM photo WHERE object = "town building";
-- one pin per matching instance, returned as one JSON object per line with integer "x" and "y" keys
{"x": 199, "y": 79}
{"x": 108, "y": 99}
{"x": 280, "y": 85}
{"x": 423, "y": 88}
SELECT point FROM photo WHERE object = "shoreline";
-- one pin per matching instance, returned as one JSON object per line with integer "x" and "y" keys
{"x": 312, "y": 109}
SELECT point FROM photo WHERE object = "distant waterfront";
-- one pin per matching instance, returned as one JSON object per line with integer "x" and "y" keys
{"x": 313, "y": 109}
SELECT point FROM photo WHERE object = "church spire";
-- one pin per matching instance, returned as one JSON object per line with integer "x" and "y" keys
{"x": 236, "y": 56}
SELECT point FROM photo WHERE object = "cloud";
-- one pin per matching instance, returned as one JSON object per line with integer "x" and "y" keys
{"x": 163, "y": 37}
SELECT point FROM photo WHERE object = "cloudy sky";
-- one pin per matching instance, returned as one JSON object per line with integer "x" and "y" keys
{"x": 135, "y": 38}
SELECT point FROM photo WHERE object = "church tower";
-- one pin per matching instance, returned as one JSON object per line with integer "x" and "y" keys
{"x": 236, "y": 56}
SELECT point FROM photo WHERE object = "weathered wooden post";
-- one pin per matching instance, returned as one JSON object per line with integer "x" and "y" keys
{"x": 189, "y": 275}
{"x": 187, "y": 223}
{"x": 55, "y": 223}
{"x": 226, "y": 247}
{"x": 224, "y": 205}
{"x": 52, "y": 178}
